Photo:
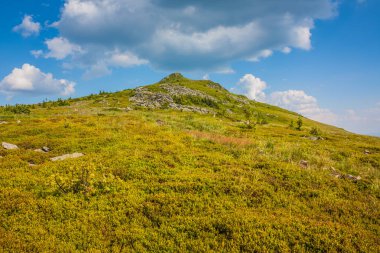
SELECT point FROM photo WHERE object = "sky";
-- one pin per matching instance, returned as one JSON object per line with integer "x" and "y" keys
{"x": 319, "y": 58}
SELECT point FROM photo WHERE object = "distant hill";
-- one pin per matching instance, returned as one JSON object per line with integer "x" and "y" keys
{"x": 183, "y": 166}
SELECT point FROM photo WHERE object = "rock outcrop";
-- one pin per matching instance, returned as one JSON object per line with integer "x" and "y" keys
{"x": 145, "y": 98}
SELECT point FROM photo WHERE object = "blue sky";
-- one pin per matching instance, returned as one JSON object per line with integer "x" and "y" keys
{"x": 319, "y": 58}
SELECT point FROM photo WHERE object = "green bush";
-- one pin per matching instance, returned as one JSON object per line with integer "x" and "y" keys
{"x": 17, "y": 109}
{"x": 315, "y": 131}
{"x": 299, "y": 124}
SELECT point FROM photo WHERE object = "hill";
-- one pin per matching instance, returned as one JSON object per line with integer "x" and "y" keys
{"x": 183, "y": 165}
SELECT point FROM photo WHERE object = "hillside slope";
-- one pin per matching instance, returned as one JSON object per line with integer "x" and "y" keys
{"x": 183, "y": 165}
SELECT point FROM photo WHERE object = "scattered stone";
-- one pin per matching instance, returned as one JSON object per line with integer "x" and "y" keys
{"x": 3, "y": 122}
{"x": 315, "y": 138}
{"x": 367, "y": 152}
{"x": 353, "y": 178}
{"x": 337, "y": 174}
{"x": 18, "y": 121}
{"x": 42, "y": 150}
{"x": 9, "y": 145}
{"x": 67, "y": 156}
{"x": 32, "y": 165}
{"x": 304, "y": 164}
{"x": 160, "y": 122}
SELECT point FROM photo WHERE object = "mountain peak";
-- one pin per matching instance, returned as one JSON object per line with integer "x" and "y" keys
{"x": 173, "y": 77}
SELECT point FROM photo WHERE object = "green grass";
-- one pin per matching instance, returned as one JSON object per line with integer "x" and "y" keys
{"x": 171, "y": 181}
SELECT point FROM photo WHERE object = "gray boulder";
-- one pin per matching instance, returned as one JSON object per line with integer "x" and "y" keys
{"x": 9, "y": 145}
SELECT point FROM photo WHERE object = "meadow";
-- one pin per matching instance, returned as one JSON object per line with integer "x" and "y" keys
{"x": 240, "y": 179}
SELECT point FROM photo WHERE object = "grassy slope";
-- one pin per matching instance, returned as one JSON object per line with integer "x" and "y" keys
{"x": 164, "y": 180}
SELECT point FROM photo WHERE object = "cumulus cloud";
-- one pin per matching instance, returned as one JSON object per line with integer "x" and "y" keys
{"x": 253, "y": 87}
{"x": 190, "y": 35}
{"x": 28, "y": 27}
{"x": 60, "y": 48}
{"x": 298, "y": 101}
{"x": 293, "y": 100}
{"x": 32, "y": 81}
{"x": 124, "y": 59}
{"x": 102, "y": 66}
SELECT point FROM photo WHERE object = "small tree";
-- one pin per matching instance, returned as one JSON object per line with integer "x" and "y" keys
{"x": 299, "y": 123}
{"x": 248, "y": 117}
{"x": 315, "y": 131}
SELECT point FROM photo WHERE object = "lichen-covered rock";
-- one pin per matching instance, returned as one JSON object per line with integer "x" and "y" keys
{"x": 149, "y": 99}
{"x": 340, "y": 175}
{"x": 67, "y": 156}
{"x": 9, "y": 145}
{"x": 178, "y": 90}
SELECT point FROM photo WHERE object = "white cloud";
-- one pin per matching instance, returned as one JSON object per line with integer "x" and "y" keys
{"x": 28, "y": 27}
{"x": 261, "y": 55}
{"x": 306, "y": 105}
{"x": 96, "y": 70}
{"x": 32, "y": 81}
{"x": 125, "y": 60}
{"x": 293, "y": 100}
{"x": 286, "y": 50}
{"x": 96, "y": 60}
{"x": 60, "y": 48}
{"x": 37, "y": 53}
{"x": 302, "y": 38}
{"x": 187, "y": 35}
{"x": 252, "y": 86}
{"x": 110, "y": 59}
